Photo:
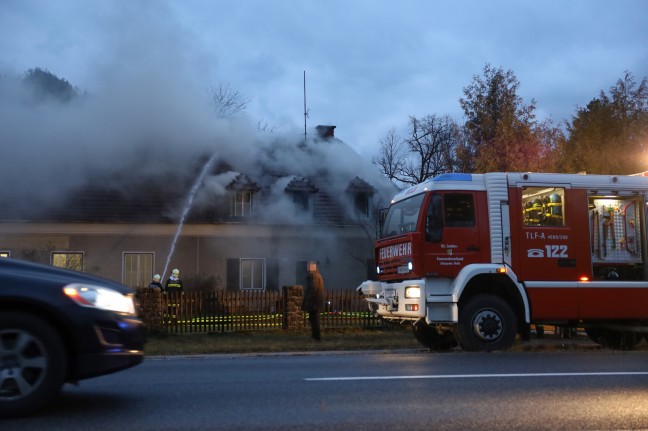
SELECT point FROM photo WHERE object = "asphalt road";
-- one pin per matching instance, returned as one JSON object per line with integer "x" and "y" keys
{"x": 572, "y": 390}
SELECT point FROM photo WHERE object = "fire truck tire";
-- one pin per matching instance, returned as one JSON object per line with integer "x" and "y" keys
{"x": 486, "y": 323}
{"x": 433, "y": 338}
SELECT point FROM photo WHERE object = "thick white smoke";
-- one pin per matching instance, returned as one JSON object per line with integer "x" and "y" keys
{"x": 147, "y": 118}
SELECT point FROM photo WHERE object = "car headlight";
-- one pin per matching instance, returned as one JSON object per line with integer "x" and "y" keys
{"x": 412, "y": 292}
{"x": 100, "y": 297}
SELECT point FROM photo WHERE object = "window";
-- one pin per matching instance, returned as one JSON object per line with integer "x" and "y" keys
{"x": 402, "y": 216}
{"x": 5, "y": 253}
{"x": 361, "y": 204}
{"x": 137, "y": 269}
{"x": 459, "y": 210}
{"x": 242, "y": 203}
{"x": 448, "y": 210}
{"x": 68, "y": 260}
{"x": 252, "y": 274}
{"x": 301, "y": 200}
{"x": 543, "y": 206}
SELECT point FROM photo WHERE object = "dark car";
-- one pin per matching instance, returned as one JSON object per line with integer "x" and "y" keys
{"x": 59, "y": 326}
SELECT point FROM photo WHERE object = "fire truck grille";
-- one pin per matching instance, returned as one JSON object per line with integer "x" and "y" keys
{"x": 391, "y": 267}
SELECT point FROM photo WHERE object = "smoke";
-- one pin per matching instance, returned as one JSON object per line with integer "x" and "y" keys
{"x": 147, "y": 120}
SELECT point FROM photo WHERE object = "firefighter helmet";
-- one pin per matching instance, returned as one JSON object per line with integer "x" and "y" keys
{"x": 175, "y": 272}
{"x": 156, "y": 277}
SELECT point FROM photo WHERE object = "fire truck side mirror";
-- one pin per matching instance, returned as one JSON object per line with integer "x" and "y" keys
{"x": 382, "y": 216}
{"x": 434, "y": 220}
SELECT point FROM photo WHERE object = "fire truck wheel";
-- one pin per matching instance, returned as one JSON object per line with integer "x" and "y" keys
{"x": 486, "y": 322}
{"x": 433, "y": 338}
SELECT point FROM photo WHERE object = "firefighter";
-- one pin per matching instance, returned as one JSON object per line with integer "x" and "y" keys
{"x": 314, "y": 297}
{"x": 173, "y": 291}
{"x": 174, "y": 283}
{"x": 155, "y": 284}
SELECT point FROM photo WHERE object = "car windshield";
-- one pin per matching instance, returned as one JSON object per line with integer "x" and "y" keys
{"x": 402, "y": 216}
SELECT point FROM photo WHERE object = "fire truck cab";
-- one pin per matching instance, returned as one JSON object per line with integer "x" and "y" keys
{"x": 474, "y": 259}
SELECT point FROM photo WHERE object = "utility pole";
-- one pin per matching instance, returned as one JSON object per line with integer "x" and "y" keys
{"x": 305, "y": 110}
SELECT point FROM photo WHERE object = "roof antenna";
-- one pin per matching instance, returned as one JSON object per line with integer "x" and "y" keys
{"x": 305, "y": 110}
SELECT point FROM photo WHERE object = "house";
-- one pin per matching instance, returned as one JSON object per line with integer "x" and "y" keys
{"x": 249, "y": 222}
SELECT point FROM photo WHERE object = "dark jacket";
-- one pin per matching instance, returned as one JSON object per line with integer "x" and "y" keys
{"x": 314, "y": 294}
{"x": 173, "y": 286}
{"x": 155, "y": 285}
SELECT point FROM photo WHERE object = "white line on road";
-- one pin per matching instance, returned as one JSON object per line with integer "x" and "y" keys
{"x": 477, "y": 376}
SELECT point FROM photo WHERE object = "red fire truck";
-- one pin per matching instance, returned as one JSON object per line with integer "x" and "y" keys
{"x": 475, "y": 259}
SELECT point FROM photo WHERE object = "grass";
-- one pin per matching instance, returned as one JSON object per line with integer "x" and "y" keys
{"x": 350, "y": 339}
{"x": 281, "y": 341}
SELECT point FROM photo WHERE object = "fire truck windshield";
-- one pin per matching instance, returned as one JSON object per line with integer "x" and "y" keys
{"x": 402, "y": 216}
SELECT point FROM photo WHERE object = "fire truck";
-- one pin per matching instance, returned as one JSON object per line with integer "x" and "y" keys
{"x": 475, "y": 259}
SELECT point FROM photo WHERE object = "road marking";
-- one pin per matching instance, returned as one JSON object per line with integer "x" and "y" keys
{"x": 477, "y": 376}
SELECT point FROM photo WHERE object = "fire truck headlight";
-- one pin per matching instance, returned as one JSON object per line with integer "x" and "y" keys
{"x": 377, "y": 270}
{"x": 413, "y": 292}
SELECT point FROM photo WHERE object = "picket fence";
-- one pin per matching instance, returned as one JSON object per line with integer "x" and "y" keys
{"x": 222, "y": 311}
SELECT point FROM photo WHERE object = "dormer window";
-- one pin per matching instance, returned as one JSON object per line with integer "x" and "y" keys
{"x": 361, "y": 204}
{"x": 301, "y": 200}
{"x": 242, "y": 201}
{"x": 301, "y": 190}
{"x": 361, "y": 194}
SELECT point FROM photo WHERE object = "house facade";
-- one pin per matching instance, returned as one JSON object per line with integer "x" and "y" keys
{"x": 228, "y": 226}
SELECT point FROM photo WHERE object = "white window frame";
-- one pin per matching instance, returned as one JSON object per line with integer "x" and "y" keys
{"x": 142, "y": 276}
{"x": 247, "y": 271}
{"x": 68, "y": 265}
{"x": 241, "y": 207}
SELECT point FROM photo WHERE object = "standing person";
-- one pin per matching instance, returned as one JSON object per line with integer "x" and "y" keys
{"x": 174, "y": 283}
{"x": 173, "y": 292}
{"x": 314, "y": 297}
{"x": 155, "y": 284}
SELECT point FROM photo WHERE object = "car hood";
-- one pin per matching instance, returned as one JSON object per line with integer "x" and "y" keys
{"x": 12, "y": 270}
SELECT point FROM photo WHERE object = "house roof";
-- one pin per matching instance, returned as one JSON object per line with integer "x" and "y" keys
{"x": 153, "y": 203}
{"x": 132, "y": 197}
{"x": 358, "y": 185}
{"x": 301, "y": 184}
{"x": 243, "y": 183}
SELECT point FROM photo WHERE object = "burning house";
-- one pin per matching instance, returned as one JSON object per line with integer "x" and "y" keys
{"x": 244, "y": 219}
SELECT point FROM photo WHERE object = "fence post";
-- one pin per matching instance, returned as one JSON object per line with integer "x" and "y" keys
{"x": 150, "y": 301}
{"x": 293, "y": 316}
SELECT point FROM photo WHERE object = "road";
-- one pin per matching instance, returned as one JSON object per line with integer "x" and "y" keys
{"x": 362, "y": 391}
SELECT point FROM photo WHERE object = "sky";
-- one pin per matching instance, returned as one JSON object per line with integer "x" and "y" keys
{"x": 369, "y": 64}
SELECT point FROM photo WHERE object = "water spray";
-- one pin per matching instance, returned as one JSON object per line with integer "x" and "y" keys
{"x": 186, "y": 209}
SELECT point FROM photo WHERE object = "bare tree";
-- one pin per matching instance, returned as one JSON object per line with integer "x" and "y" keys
{"x": 429, "y": 149}
{"x": 431, "y": 146}
{"x": 264, "y": 127}
{"x": 392, "y": 155}
{"x": 227, "y": 102}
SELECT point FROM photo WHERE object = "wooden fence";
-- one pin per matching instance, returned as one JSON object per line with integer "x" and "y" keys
{"x": 222, "y": 311}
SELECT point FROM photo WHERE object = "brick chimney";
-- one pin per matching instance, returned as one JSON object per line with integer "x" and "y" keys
{"x": 325, "y": 132}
